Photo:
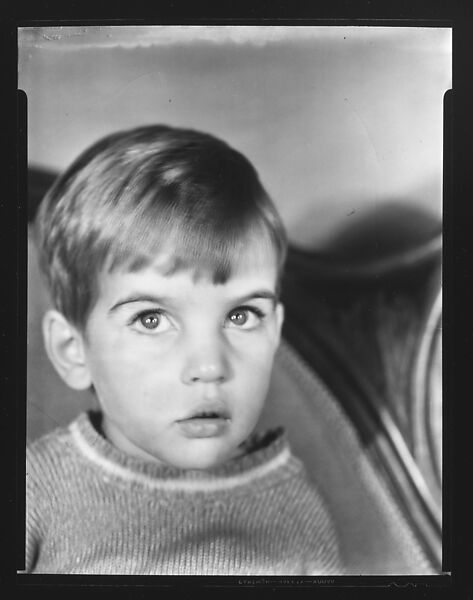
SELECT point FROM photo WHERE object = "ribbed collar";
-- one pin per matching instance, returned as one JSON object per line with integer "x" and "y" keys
{"x": 264, "y": 455}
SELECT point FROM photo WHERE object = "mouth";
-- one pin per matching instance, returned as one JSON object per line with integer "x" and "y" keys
{"x": 203, "y": 423}
{"x": 207, "y": 415}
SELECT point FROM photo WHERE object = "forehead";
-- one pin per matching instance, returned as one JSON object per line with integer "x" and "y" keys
{"x": 254, "y": 268}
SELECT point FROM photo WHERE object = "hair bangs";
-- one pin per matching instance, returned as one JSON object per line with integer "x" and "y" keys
{"x": 207, "y": 245}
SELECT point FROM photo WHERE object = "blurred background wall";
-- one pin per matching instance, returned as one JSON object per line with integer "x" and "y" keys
{"x": 342, "y": 123}
{"x": 336, "y": 119}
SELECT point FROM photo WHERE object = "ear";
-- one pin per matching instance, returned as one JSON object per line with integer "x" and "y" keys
{"x": 65, "y": 348}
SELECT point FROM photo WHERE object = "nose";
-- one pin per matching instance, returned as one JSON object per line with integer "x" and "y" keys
{"x": 206, "y": 362}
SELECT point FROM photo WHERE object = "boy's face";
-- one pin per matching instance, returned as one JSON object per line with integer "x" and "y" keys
{"x": 181, "y": 367}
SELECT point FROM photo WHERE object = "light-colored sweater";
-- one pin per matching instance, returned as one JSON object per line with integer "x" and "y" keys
{"x": 92, "y": 509}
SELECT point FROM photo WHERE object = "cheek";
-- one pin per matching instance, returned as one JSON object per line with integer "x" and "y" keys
{"x": 146, "y": 370}
{"x": 255, "y": 358}
{"x": 117, "y": 368}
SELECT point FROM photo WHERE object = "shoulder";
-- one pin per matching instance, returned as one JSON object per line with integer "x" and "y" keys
{"x": 48, "y": 456}
{"x": 293, "y": 487}
{"x": 294, "y": 503}
{"x": 312, "y": 516}
{"x": 47, "y": 446}
{"x": 53, "y": 471}
{"x": 301, "y": 506}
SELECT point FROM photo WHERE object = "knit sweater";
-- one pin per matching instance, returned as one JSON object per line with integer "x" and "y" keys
{"x": 92, "y": 509}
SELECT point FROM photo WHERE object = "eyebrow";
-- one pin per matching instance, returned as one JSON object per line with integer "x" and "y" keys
{"x": 137, "y": 297}
{"x": 260, "y": 294}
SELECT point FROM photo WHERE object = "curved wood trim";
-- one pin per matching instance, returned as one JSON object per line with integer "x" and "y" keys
{"x": 421, "y": 414}
{"x": 320, "y": 266}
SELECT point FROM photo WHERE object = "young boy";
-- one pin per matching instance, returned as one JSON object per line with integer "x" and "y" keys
{"x": 163, "y": 255}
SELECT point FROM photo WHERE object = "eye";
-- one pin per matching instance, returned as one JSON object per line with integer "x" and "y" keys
{"x": 245, "y": 317}
{"x": 151, "y": 321}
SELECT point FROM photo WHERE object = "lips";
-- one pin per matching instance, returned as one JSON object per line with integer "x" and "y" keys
{"x": 205, "y": 421}
{"x": 207, "y": 411}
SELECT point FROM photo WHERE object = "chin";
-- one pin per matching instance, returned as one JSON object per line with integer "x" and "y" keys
{"x": 203, "y": 460}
